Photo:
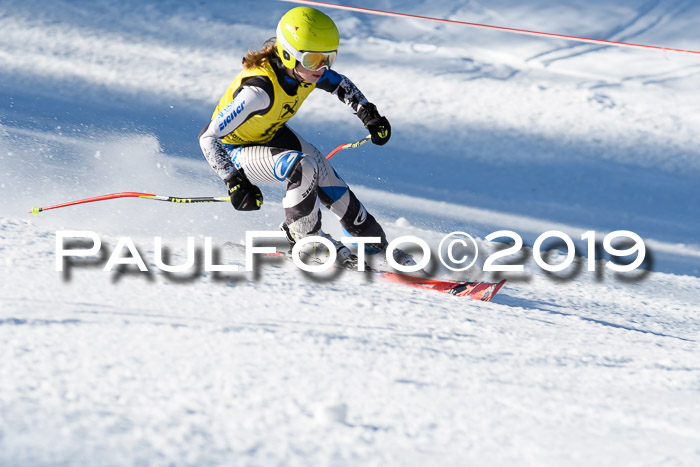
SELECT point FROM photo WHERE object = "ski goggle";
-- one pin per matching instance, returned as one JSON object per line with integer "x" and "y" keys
{"x": 314, "y": 61}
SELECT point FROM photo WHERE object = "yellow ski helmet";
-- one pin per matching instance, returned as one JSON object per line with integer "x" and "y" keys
{"x": 309, "y": 36}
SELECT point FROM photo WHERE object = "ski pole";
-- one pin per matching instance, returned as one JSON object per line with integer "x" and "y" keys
{"x": 206, "y": 199}
{"x": 174, "y": 199}
{"x": 356, "y": 144}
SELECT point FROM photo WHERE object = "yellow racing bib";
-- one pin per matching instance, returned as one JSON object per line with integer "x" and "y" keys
{"x": 260, "y": 129}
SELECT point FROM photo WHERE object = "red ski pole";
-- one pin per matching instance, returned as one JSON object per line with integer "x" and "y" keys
{"x": 207, "y": 199}
{"x": 174, "y": 199}
{"x": 349, "y": 145}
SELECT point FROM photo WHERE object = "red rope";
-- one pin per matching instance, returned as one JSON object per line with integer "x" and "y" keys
{"x": 486, "y": 26}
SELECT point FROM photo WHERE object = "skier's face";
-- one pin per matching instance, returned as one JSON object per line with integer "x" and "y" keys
{"x": 308, "y": 75}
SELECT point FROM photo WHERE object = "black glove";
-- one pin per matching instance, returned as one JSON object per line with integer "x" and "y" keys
{"x": 244, "y": 195}
{"x": 377, "y": 125}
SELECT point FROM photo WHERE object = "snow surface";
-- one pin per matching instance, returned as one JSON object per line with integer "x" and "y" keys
{"x": 491, "y": 131}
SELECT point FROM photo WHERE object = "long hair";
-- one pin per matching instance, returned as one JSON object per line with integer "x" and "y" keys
{"x": 257, "y": 58}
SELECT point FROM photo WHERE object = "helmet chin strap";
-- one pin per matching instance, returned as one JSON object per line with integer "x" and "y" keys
{"x": 297, "y": 76}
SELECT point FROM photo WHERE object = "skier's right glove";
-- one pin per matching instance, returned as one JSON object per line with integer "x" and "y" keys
{"x": 377, "y": 125}
{"x": 244, "y": 195}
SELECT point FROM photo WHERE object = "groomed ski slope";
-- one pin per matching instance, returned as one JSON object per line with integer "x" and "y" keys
{"x": 491, "y": 131}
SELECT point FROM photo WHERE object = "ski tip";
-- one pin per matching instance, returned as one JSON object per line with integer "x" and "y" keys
{"x": 494, "y": 290}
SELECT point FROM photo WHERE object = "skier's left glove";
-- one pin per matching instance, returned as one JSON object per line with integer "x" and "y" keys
{"x": 244, "y": 195}
{"x": 378, "y": 126}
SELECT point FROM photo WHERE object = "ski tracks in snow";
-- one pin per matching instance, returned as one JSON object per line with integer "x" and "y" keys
{"x": 280, "y": 368}
{"x": 650, "y": 15}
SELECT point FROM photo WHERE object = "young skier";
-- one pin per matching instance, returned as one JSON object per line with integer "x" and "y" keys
{"x": 248, "y": 140}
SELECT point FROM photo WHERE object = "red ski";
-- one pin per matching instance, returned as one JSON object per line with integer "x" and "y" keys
{"x": 483, "y": 291}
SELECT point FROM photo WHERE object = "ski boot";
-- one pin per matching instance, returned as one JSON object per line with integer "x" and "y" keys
{"x": 403, "y": 258}
{"x": 400, "y": 256}
{"x": 317, "y": 252}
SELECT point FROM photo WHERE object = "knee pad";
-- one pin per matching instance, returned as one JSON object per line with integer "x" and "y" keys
{"x": 305, "y": 171}
{"x": 300, "y": 203}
